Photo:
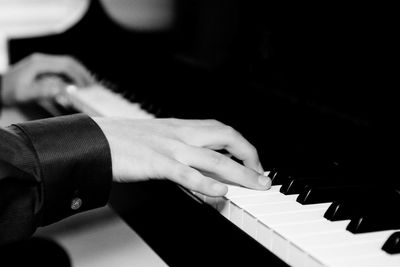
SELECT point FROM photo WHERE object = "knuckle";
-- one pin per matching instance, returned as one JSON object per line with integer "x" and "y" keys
{"x": 35, "y": 57}
{"x": 214, "y": 122}
{"x": 196, "y": 183}
{"x": 230, "y": 131}
{"x": 252, "y": 150}
{"x": 66, "y": 60}
{"x": 177, "y": 150}
{"x": 189, "y": 177}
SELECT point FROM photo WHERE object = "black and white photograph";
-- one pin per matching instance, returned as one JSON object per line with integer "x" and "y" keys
{"x": 169, "y": 133}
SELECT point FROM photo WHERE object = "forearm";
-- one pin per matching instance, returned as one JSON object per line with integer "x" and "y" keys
{"x": 58, "y": 167}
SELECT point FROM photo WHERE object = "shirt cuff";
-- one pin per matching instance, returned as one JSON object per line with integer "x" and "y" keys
{"x": 1, "y": 99}
{"x": 75, "y": 163}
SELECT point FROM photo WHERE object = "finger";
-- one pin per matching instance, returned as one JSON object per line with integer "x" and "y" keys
{"x": 190, "y": 178}
{"x": 80, "y": 72}
{"x": 229, "y": 139}
{"x": 49, "y": 87}
{"x": 64, "y": 65}
{"x": 222, "y": 167}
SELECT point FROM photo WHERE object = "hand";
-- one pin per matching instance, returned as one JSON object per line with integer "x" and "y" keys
{"x": 182, "y": 151}
{"x": 42, "y": 76}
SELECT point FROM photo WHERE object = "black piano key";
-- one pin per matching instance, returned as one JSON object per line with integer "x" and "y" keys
{"x": 344, "y": 210}
{"x": 296, "y": 185}
{"x": 392, "y": 245}
{"x": 303, "y": 169}
{"x": 278, "y": 176}
{"x": 373, "y": 222}
{"x": 364, "y": 200}
{"x": 317, "y": 194}
{"x": 338, "y": 211}
{"x": 382, "y": 213}
{"x": 292, "y": 186}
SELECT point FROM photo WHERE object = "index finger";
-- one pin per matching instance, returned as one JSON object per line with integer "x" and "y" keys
{"x": 225, "y": 137}
{"x": 222, "y": 168}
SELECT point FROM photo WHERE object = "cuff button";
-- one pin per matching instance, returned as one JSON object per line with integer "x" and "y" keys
{"x": 76, "y": 203}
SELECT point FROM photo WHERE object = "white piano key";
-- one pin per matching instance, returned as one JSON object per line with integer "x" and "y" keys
{"x": 313, "y": 262}
{"x": 282, "y": 234}
{"x": 296, "y": 256}
{"x": 249, "y": 224}
{"x": 99, "y": 101}
{"x": 290, "y": 206}
{"x": 235, "y": 214}
{"x": 279, "y": 246}
{"x": 236, "y": 211}
{"x": 264, "y": 234}
{"x": 236, "y": 191}
{"x": 290, "y": 217}
{"x": 261, "y": 199}
{"x": 309, "y": 228}
{"x": 353, "y": 250}
{"x": 379, "y": 259}
{"x": 338, "y": 238}
{"x": 328, "y": 246}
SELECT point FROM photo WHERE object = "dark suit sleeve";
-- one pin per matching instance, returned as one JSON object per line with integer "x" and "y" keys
{"x": 1, "y": 100}
{"x": 51, "y": 169}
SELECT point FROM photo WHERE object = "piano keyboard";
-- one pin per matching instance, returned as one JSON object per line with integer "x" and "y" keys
{"x": 297, "y": 233}
{"x": 100, "y": 101}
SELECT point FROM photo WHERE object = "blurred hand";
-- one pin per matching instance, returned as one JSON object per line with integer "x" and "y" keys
{"x": 182, "y": 151}
{"x": 42, "y": 76}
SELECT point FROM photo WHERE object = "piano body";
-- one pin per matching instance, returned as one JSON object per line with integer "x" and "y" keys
{"x": 302, "y": 83}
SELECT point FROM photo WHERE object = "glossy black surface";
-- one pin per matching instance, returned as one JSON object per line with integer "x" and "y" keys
{"x": 362, "y": 201}
{"x": 392, "y": 245}
{"x": 320, "y": 194}
{"x": 377, "y": 213}
{"x": 183, "y": 231}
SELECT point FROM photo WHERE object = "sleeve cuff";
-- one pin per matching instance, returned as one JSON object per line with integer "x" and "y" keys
{"x": 75, "y": 162}
{"x": 1, "y": 99}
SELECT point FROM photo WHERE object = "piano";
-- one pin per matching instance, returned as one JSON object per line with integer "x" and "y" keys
{"x": 307, "y": 218}
{"x": 304, "y": 84}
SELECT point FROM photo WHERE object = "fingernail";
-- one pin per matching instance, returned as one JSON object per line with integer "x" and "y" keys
{"x": 264, "y": 181}
{"x": 71, "y": 88}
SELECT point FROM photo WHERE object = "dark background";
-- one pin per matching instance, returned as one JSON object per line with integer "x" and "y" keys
{"x": 303, "y": 82}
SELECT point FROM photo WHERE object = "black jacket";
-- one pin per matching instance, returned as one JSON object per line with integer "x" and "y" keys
{"x": 51, "y": 169}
